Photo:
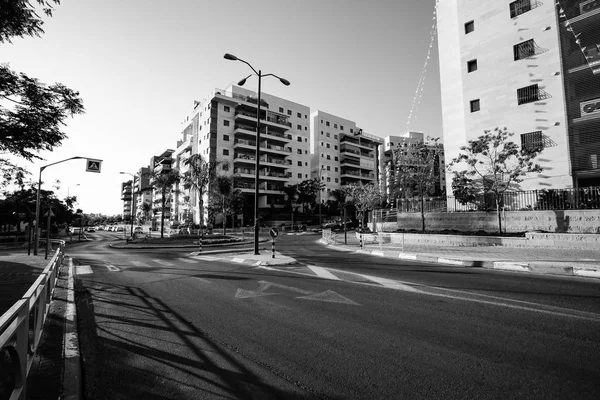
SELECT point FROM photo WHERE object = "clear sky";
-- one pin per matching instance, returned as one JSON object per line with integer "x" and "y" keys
{"x": 139, "y": 64}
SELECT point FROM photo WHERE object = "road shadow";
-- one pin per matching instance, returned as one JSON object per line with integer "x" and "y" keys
{"x": 136, "y": 346}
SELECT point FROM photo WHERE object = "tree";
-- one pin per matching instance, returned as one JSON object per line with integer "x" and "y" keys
{"x": 364, "y": 197}
{"x": 291, "y": 196}
{"x": 163, "y": 182}
{"x": 228, "y": 197}
{"x": 31, "y": 113}
{"x": 198, "y": 177}
{"x": 415, "y": 171}
{"x": 307, "y": 191}
{"x": 492, "y": 164}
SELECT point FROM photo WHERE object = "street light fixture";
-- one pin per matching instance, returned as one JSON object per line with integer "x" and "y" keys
{"x": 260, "y": 75}
{"x": 132, "y": 197}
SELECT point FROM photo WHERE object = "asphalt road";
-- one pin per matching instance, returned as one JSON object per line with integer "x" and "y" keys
{"x": 159, "y": 324}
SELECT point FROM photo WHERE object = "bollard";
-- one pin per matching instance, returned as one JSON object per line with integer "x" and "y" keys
{"x": 273, "y": 248}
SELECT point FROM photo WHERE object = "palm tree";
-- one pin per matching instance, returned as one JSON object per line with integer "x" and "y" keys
{"x": 197, "y": 178}
{"x": 164, "y": 182}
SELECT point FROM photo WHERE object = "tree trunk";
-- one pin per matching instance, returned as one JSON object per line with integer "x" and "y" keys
{"x": 224, "y": 218}
{"x": 201, "y": 217}
{"x": 422, "y": 213}
{"x": 499, "y": 215}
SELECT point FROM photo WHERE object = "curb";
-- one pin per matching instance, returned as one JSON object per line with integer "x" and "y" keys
{"x": 262, "y": 263}
{"x": 548, "y": 268}
{"x": 71, "y": 382}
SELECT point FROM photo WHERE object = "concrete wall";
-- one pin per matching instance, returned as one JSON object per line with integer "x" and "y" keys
{"x": 559, "y": 221}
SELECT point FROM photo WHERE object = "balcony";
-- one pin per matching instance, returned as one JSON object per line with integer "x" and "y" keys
{"x": 581, "y": 11}
{"x": 241, "y": 129}
{"x": 271, "y": 148}
{"x": 271, "y": 119}
{"x": 348, "y": 161}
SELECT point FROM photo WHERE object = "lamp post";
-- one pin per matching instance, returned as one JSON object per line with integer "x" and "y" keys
{"x": 37, "y": 202}
{"x": 132, "y": 197}
{"x": 260, "y": 75}
{"x": 320, "y": 199}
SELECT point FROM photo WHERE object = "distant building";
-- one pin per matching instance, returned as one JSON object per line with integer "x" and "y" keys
{"x": 530, "y": 66}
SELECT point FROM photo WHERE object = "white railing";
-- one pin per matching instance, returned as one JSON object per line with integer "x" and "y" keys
{"x": 21, "y": 326}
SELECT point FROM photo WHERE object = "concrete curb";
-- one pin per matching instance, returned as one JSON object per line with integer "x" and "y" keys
{"x": 259, "y": 263}
{"x": 549, "y": 268}
{"x": 72, "y": 387}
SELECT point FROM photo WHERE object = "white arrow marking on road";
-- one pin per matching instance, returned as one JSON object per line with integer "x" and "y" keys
{"x": 244, "y": 294}
{"x": 112, "y": 268}
{"x": 264, "y": 285}
{"x": 323, "y": 273}
{"x": 162, "y": 262}
{"x": 83, "y": 270}
{"x": 329, "y": 296}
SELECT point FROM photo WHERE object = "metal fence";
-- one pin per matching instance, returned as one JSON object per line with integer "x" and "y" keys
{"x": 544, "y": 199}
{"x": 21, "y": 326}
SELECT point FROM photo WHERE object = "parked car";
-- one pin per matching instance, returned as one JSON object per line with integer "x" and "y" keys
{"x": 91, "y": 229}
{"x": 138, "y": 229}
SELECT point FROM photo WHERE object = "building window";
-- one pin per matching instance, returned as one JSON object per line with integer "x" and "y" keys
{"x": 341, "y": 127}
{"x": 327, "y": 134}
{"x": 289, "y": 149}
{"x": 328, "y": 145}
{"x": 305, "y": 116}
{"x": 299, "y": 138}
{"x": 475, "y": 106}
{"x": 281, "y": 110}
{"x": 225, "y": 122}
{"x": 226, "y": 138}
{"x": 351, "y": 130}
{"x": 326, "y": 123}
{"x": 336, "y": 180}
{"x": 335, "y": 147}
{"x": 225, "y": 167}
{"x": 305, "y": 151}
{"x": 335, "y": 126}
{"x": 305, "y": 128}
{"x": 289, "y": 112}
{"x": 226, "y": 108}
{"x": 335, "y": 136}
{"x": 299, "y": 127}
{"x": 328, "y": 157}
{"x": 299, "y": 163}
{"x": 225, "y": 152}
{"x": 305, "y": 164}
{"x": 528, "y": 94}
{"x": 336, "y": 158}
{"x": 328, "y": 168}
{"x": 306, "y": 140}
{"x": 299, "y": 115}
{"x": 519, "y": 7}
{"x": 321, "y": 132}
{"x": 299, "y": 151}
{"x": 469, "y": 27}
{"x": 336, "y": 170}
{"x": 524, "y": 49}
{"x": 472, "y": 66}
{"x": 532, "y": 140}
{"x": 299, "y": 176}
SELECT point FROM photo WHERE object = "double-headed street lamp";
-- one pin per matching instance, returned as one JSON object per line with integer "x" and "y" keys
{"x": 260, "y": 75}
{"x": 132, "y": 197}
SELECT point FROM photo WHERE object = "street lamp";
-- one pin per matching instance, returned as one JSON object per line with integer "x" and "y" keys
{"x": 320, "y": 199}
{"x": 260, "y": 75}
{"x": 132, "y": 197}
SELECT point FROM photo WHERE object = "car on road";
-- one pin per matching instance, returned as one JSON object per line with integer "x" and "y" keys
{"x": 91, "y": 229}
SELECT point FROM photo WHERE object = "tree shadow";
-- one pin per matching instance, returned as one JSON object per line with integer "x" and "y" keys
{"x": 136, "y": 346}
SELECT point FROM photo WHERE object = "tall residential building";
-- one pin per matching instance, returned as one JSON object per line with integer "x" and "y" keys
{"x": 529, "y": 66}
{"x": 341, "y": 153}
{"x": 403, "y": 142}
{"x": 143, "y": 195}
{"x": 160, "y": 164}
{"x": 222, "y": 128}
{"x": 126, "y": 191}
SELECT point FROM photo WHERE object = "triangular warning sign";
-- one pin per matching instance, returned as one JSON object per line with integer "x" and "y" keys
{"x": 93, "y": 165}
{"x": 329, "y": 296}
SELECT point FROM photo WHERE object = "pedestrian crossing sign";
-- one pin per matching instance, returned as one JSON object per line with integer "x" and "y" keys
{"x": 93, "y": 165}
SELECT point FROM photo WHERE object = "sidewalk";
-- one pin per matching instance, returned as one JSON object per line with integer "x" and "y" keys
{"x": 574, "y": 262}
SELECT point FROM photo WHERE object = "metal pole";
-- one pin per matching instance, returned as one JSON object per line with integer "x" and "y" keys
{"x": 48, "y": 233}
{"x": 37, "y": 213}
{"x": 257, "y": 166}
{"x": 273, "y": 248}
{"x": 131, "y": 208}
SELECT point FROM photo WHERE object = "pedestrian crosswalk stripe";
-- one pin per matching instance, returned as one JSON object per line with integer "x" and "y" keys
{"x": 186, "y": 260}
{"x": 161, "y": 262}
{"x": 140, "y": 263}
{"x": 322, "y": 272}
{"x": 83, "y": 270}
{"x": 205, "y": 258}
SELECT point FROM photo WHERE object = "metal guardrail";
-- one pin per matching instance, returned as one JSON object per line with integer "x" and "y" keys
{"x": 21, "y": 326}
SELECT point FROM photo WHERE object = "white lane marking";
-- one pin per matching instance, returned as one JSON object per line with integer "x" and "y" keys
{"x": 407, "y": 256}
{"x": 112, "y": 268}
{"x": 205, "y": 258}
{"x": 245, "y": 294}
{"x": 83, "y": 270}
{"x": 389, "y": 283}
{"x": 510, "y": 266}
{"x": 71, "y": 345}
{"x": 238, "y": 260}
{"x": 329, "y": 296}
{"x": 323, "y": 273}
{"x": 140, "y": 263}
{"x": 186, "y": 260}
{"x": 162, "y": 262}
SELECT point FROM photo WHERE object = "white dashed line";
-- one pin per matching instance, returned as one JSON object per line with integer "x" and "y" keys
{"x": 83, "y": 270}
{"x": 205, "y": 258}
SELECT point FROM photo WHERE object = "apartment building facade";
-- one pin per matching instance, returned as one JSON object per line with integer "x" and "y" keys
{"x": 513, "y": 64}
{"x": 341, "y": 153}
{"x": 160, "y": 164}
{"x": 404, "y": 142}
{"x": 126, "y": 197}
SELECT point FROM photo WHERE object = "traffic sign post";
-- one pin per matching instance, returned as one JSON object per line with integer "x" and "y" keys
{"x": 273, "y": 232}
